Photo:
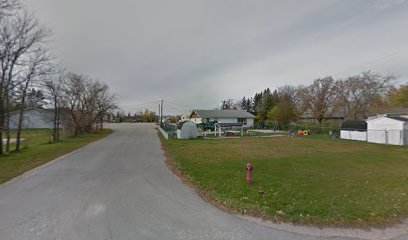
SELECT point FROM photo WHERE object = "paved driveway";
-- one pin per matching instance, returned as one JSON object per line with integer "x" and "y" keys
{"x": 119, "y": 188}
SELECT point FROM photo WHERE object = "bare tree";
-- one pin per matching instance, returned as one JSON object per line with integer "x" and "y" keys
{"x": 19, "y": 35}
{"x": 73, "y": 89}
{"x": 229, "y": 104}
{"x": 291, "y": 93}
{"x": 105, "y": 102}
{"x": 320, "y": 98}
{"x": 37, "y": 67}
{"x": 53, "y": 87}
{"x": 8, "y": 6}
{"x": 87, "y": 100}
{"x": 360, "y": 93}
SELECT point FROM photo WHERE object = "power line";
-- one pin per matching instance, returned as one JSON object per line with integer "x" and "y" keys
{"x": 369, "y": 63}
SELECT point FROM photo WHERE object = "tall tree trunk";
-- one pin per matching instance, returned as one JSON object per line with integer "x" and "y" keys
{"x": 1, "y": 141}
{"x": 20, "y": 118}
{"x": 2, "y": 108}
{"x": 7, "y": 96}
{"x": 54, "y": 134}
{"x": 7, "y": 124}
{"x": 1, "y": 120}
{"x": 58, "y": 125}
{"x": 19, "y": 127}
{"x": 77, "y": 126}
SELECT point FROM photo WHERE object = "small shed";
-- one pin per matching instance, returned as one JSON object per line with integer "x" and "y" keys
{"x": 187, "y": 130}
{"x": 354, "y": 130}
{"x": 388, "y": 129}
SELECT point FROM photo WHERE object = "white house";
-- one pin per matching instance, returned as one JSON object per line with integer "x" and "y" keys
{"x": 37, "y": 118}
{"x": 223, "y": 116}
{"x": 388, "y": 129}
{"x": 354, "y": 130}
{"x": 184, "y": 117}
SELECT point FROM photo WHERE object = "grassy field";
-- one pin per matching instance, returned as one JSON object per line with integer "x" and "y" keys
{"x": 306, "y": 180}
{"x": 37, "y": 151}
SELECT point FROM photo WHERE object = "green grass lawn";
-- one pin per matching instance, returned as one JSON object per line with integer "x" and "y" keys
{"x": 37, "y": 150}
{"x": 306, "y": 180}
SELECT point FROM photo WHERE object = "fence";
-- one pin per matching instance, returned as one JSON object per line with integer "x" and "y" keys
{"x": 164, "y": 133}
{"x": 169, "y": 127}
{"x": 353, "y": 135}
{"x": 393, "y": 137}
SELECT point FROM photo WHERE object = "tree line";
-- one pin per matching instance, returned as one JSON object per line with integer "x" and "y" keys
{"x": 354, "y": 96}
{"x": 146, "y": 116}
{"x": 30, "y": 73}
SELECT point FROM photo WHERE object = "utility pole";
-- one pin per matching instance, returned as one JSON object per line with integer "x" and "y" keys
{"x": 158, "y": 115}
{"x": 161, "y": 113}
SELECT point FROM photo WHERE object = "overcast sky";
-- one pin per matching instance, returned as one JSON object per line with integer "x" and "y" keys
{"x": 193, "y": 53}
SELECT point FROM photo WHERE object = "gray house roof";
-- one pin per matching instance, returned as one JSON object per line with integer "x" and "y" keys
{"x": 223, "y": 114}
{"x": 397, "y": 111}
{"x": 402, "y": 119}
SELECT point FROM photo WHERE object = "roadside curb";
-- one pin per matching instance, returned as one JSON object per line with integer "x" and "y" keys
{"x": 369, "y": 233}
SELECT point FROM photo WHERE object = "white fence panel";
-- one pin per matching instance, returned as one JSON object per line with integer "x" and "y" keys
{"x": 353, "y": 135}
{"x": 164, "y": 133}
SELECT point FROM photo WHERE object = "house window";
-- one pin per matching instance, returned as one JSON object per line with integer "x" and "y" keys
{"x": 242, "y": 120}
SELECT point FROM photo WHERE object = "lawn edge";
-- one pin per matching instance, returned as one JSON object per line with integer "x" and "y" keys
{"x": 46, "y": 164}
{"x": 171, "y": 165}
{"x": 207, "y": 197}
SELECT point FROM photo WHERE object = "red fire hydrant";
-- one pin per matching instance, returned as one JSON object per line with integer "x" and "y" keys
{"x": 249, "y": 169}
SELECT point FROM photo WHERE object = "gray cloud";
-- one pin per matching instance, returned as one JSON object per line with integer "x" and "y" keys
{"x": 196, "y": 53}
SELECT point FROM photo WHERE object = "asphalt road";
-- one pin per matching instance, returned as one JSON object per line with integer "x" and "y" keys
{"x": 120, "y": 188}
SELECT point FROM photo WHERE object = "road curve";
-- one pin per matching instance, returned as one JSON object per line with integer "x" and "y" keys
{"x": 119, "y": 188}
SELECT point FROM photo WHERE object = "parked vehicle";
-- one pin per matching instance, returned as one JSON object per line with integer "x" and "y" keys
{"x": 207, "y": 126}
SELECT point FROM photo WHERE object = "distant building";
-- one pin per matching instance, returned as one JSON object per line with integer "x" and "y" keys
{"x": 108, "y": 117}
{"x": 37, "y": 118}
{"x": 185, "y": 117}
{"x": 389, "y": 112}
{"x": 223, "y": 117}
{"x": 388, "y": 129}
